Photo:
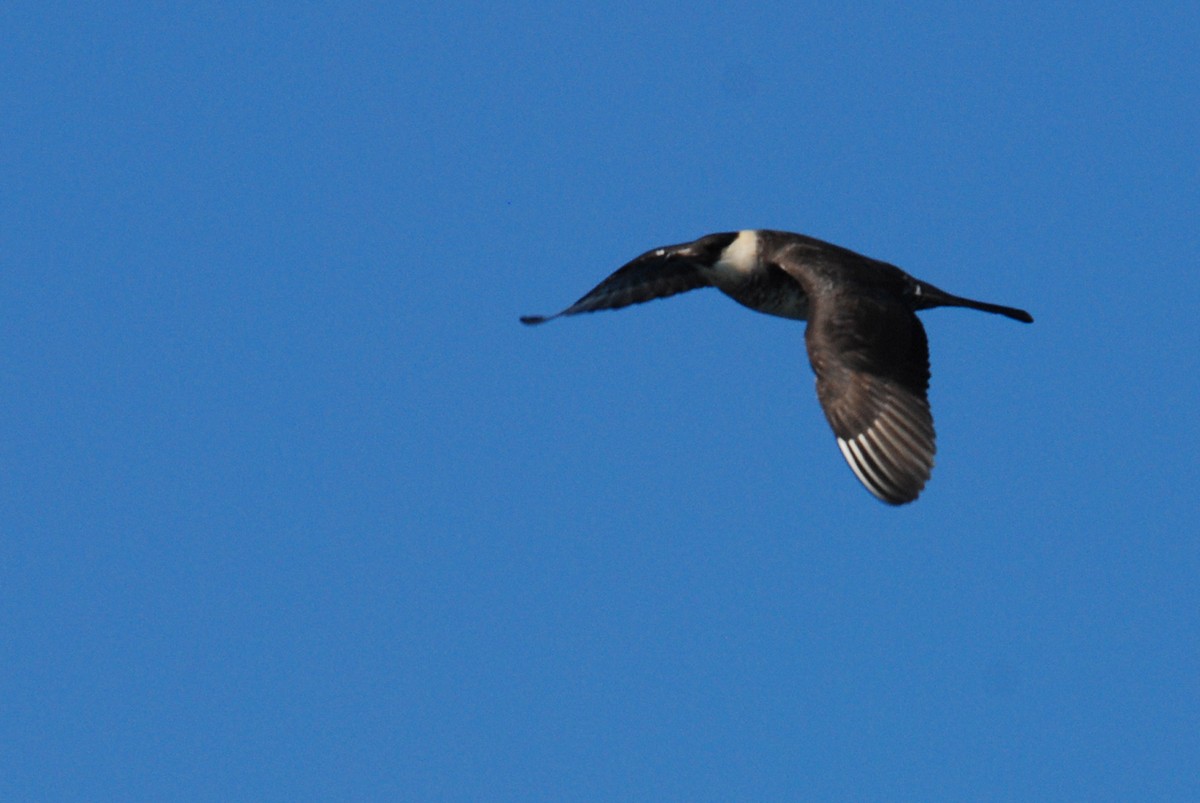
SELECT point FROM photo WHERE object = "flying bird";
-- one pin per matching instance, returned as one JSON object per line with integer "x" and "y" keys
{"x": 865, "y": 343}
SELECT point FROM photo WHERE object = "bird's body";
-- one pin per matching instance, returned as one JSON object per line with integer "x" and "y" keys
{"x": 865, "y": 343}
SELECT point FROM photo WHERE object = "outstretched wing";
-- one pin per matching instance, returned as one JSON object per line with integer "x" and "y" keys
{"x": 871, "y": 358}
{"x": 655, "y": 274}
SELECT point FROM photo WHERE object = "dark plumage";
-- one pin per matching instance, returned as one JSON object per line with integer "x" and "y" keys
{"x": 865, "y": 342}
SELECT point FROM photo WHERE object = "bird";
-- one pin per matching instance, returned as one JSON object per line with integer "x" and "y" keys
{"x": 865, "y": 344}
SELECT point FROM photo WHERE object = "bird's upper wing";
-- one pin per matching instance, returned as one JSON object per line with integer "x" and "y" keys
{"x": 871, "y": 358}
{"x": 655, "y": 274}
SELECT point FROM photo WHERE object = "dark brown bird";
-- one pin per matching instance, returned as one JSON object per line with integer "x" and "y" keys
{"x": 865, "y": 342}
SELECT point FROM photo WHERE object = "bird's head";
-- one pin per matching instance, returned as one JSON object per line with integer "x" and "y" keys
{"x": 731, "y": 251}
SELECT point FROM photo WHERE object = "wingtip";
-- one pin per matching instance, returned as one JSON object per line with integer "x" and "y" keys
{"x": 1014, "y": 313}
{"x": 533, "y": 320}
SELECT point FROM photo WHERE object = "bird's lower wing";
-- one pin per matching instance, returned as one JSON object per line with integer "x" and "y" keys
{"x": 650, "y": 276}
{"x": 872, "y": 365}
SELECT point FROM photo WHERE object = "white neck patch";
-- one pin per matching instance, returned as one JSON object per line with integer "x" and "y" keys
{"x": 741, "y": 255}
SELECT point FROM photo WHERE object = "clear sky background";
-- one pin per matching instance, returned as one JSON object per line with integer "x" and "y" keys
{"x": 291, "y": 506}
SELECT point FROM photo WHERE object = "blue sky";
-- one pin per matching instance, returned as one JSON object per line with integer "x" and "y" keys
{"x": 292, "y": 507}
